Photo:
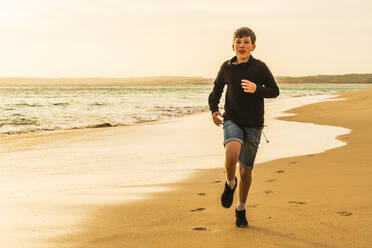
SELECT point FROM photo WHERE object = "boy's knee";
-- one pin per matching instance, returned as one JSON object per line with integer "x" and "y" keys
{"x": 245, "y": 173}
{"x": 232, "y": 152}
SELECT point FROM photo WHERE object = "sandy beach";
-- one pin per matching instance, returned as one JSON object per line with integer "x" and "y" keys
{"x": 320, "y": 199}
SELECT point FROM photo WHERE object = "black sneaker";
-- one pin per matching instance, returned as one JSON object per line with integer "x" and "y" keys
{"x": 241, "y": 220}
{"x": 228, "y": 195}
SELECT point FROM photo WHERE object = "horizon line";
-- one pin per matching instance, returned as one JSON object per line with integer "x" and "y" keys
{"x": 168, "y": 76}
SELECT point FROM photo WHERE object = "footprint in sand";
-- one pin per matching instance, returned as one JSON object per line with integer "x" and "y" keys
{"x": 270, "y": 180}
{"x": 344, "y": 213}
{"x": 197, "y": 209}
{"x": 268, "y": 191}
{"x": 218, "y": 181}
{"x": 201, "y": 193}
{"x": 280, "y": 171}
{"x": 253, "y": 205}
{"x": 293, "y": 162}
{"x": 297, "y": 202}
{"x": 200, "y": 229}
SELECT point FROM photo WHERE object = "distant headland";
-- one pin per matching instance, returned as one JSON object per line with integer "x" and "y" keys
{"x": 176, "y": 80}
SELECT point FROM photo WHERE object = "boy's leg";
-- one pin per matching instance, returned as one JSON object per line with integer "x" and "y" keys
{"x": 233, "y": 140}
{"x": 245, "y": 183}
{"x": 246, "y": 161}
{"x": 232, "y": 151}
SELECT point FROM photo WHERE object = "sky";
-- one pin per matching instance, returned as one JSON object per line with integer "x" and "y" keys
{"x": 126, "y": 38}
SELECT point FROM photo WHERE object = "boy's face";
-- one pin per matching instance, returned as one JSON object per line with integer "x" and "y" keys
{"x": 243, "y": 47}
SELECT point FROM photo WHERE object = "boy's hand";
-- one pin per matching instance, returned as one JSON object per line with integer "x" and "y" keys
{"x": 217, "y": 120}
{"x": 248, "y": 86}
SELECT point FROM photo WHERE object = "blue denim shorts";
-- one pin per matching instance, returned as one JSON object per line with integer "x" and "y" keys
{"x": 249, "y": 137}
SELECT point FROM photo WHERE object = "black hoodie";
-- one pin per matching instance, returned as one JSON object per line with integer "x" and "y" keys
{"x": 245, "y": 109}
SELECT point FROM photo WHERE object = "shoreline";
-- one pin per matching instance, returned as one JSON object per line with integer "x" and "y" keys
{"x": 16, "y": 142}
{"x": 290, "y": 199}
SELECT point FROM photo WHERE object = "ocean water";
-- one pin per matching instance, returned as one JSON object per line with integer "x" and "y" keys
{"x": 45, "y": 108}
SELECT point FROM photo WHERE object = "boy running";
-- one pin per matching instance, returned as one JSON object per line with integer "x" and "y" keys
{"x": 248, "y": 82}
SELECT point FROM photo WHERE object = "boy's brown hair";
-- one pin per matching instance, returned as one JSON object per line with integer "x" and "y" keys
{"x": 244, "y": 32}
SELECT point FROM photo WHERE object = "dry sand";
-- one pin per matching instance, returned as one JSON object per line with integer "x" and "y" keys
{"x": 319, "y": 200}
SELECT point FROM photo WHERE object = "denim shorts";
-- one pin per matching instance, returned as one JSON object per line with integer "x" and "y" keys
{"x": 249, "y": 137}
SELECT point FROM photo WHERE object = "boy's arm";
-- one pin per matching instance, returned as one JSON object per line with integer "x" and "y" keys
{"x": 269, "y": 89}
{"x": 215, "y": 95}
